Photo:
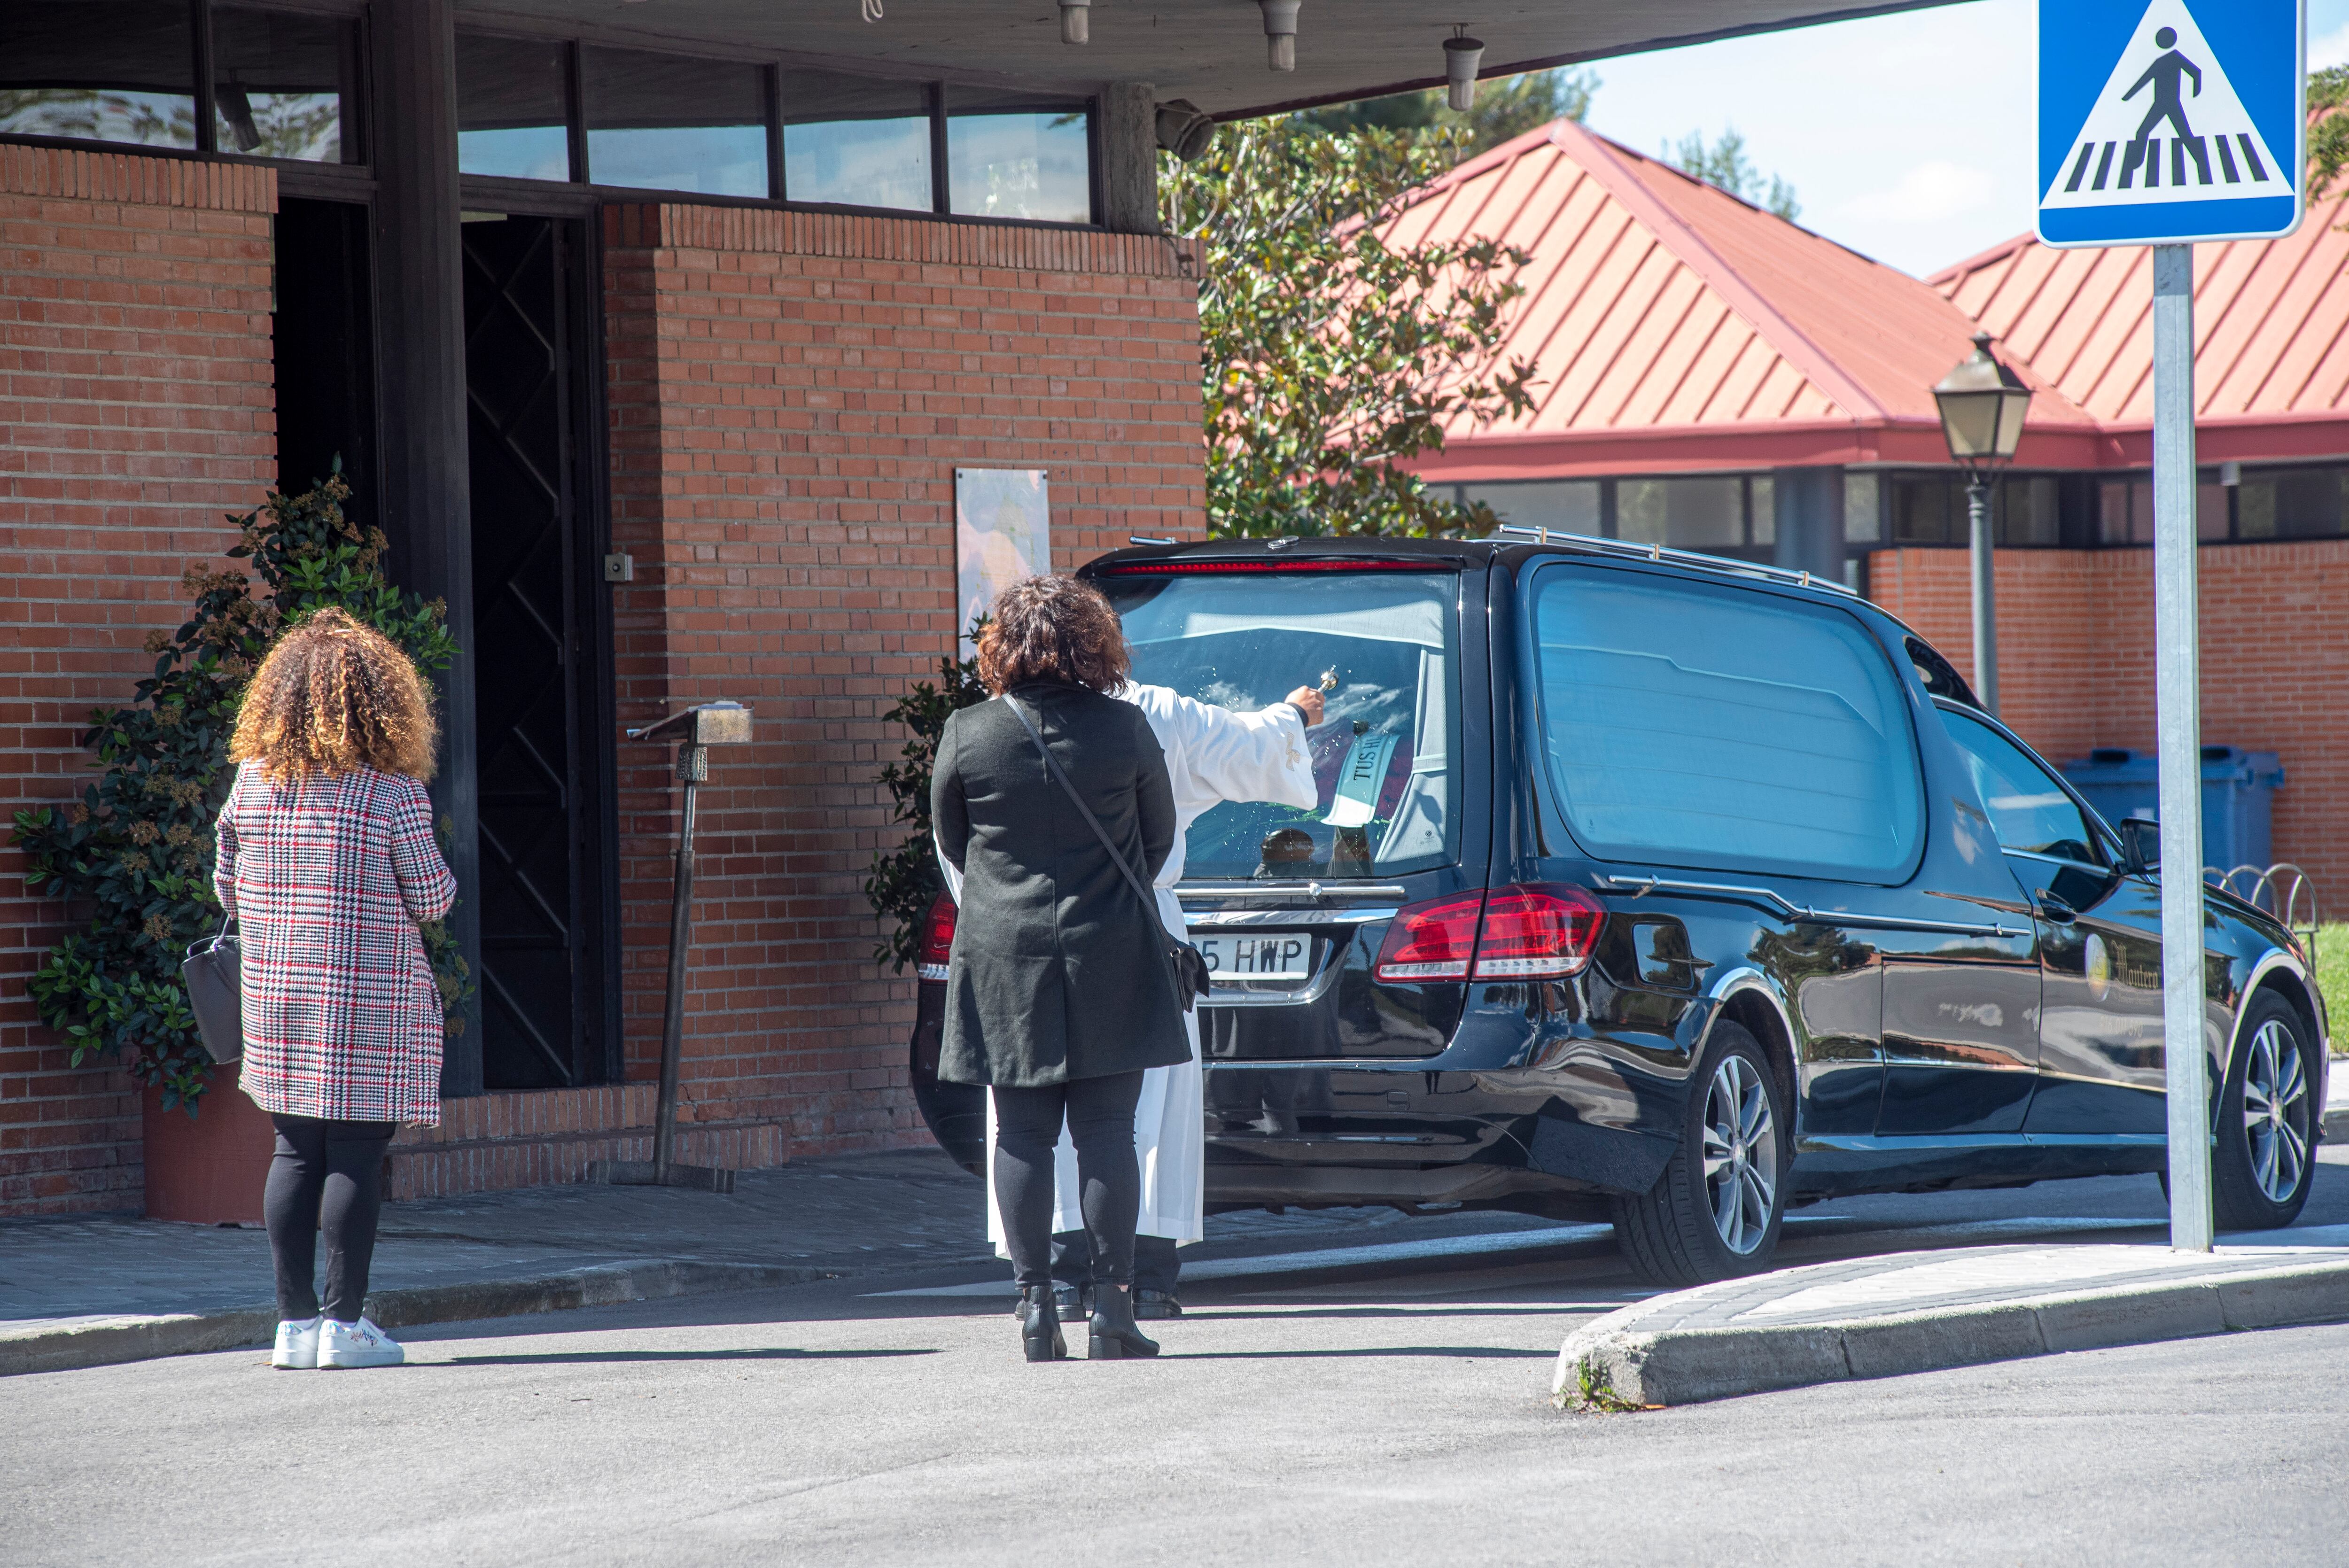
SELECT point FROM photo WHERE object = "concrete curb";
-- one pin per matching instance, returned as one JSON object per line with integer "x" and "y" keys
{"x": 1604, "y": 1365}
{"x": 100, "y": 1342}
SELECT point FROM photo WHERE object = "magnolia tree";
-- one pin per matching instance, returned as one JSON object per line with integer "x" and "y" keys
{"x": 1334, "y": 352}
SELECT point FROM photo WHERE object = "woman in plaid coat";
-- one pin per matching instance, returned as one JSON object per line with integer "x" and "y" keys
{"x": 328, "y": 863}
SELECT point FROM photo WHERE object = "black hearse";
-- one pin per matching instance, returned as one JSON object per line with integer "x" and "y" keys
{"x": 1664, "y": 887}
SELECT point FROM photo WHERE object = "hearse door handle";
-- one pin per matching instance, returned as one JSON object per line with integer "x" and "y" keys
{"x": 2056, "y": 910}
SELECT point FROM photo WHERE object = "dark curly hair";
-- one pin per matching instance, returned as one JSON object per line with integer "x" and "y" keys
{"x": 1052, "y": 629}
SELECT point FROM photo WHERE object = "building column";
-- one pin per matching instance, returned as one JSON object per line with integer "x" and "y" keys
{"x": 1129, "y": 153}
{"x": 1809, "y": 504}
{"x": 421, "y": 318}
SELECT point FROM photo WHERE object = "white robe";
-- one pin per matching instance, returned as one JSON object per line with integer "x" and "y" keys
{"x": 1213, "y": 755}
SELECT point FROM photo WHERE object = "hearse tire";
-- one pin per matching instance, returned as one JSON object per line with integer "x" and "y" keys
{"x": 1716, "y": 1211}
{"x": 2263, "y": 1159}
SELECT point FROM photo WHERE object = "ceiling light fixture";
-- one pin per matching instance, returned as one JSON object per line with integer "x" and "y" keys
{"x": 1279, "y": 33}
{"x": 1075, "y": 16}
{"x": 1462, "y": 55}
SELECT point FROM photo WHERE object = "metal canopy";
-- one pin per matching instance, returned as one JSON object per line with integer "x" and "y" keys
{"x": 1209, "y": 51}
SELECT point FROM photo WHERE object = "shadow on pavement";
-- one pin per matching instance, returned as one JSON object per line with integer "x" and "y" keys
{"x": 774, "y": 1355}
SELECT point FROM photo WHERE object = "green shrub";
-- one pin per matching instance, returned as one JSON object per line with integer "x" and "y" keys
{"x": 905, "y": 881}
{"x": 136, "y": 852}
{"x": 2332, "y": 978}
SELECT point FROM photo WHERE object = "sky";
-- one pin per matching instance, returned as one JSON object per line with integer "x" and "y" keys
{"x": 1907, "y": 137}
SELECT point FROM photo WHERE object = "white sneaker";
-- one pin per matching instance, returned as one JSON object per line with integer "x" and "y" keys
{"x": 360, "y": 1344}
{"x": 297, "y": 1345}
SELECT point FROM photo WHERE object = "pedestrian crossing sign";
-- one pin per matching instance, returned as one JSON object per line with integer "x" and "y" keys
{"x": 2170, "y": 122}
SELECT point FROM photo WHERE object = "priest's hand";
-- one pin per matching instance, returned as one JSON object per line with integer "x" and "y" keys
{"x": 1307, "y": 701}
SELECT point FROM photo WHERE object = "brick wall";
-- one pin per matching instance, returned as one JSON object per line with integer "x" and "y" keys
{"x": 2076, "y": 663}
{"x": 135, "y": 408}
{"x": 789, "y": 395}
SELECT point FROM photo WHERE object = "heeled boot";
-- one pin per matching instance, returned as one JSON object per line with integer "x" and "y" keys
{"x": 1039, "y": 1325}
{"x": 1112, "y": 1335}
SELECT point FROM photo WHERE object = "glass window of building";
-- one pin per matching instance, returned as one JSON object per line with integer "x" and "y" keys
{"x": 2293, "y": 503}
{"x": 1862, "y": 520}
{"x": 857, "y": 141}
{"x": 2027, "y": 513}
{"x": 1763, "y": 504}
{"x": 1570, "y": 506}
{"x": 281, "y": 85}
{"x": 1920, "y": 508}
{"x": 99, "y": 70}
{"x": 1013, "y": 156}
{"x": 1690, "y": 513}
{"x": 513, "y": 113}
{"x": 2125, "y": 510}
{"x": 668, "y": 122}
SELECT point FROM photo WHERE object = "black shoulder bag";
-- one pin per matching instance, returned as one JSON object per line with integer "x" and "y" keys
{"x": 1188, "y": 963}
{"x": 214, "y": 976}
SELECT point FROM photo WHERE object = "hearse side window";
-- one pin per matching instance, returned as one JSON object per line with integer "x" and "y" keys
{"x": 2029, "y": 810}
{"x": 1384, "y": 755}
{"x": 1689, "y": 724}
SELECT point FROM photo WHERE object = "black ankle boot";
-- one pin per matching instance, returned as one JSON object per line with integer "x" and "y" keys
{"x": 1113, "y": 1335}
{"x": 1039, "y": 1325}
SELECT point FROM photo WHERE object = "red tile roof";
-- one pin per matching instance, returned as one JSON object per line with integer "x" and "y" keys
{"x": 2271, "y": 333}
{"x": 1673, "y": 327}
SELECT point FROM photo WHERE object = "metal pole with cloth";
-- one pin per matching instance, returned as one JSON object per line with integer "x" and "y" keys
{"x": 696, "y": 729}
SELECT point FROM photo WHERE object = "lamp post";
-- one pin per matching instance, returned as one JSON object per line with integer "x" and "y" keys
{"x": 1982, "y": 403}
{"x": 695, "y": 730}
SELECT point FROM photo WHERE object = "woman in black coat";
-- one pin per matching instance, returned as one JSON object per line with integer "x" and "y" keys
{"x": 1059, "y": 994}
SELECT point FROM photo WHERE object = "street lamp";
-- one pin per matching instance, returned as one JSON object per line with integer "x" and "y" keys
{"x": 1982, "y": 403}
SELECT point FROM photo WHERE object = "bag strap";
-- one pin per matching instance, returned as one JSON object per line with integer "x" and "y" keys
{"x": 1091, "y": 821}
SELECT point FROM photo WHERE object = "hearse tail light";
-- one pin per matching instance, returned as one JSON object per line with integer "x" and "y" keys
{"x": 1431, "y": 941}
{"x": 1537, "y": 931}
{"x": 938, "y": 939}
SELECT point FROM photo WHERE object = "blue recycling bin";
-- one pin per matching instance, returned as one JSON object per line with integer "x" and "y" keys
{"x": 2237, "y": 791}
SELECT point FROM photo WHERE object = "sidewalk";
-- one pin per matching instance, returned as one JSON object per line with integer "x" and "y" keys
{"x": 83, "y": 1292}
{"x": 1918, "y": 1312}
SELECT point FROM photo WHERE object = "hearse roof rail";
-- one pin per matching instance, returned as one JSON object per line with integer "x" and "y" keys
{"x": 1657, "y": 552}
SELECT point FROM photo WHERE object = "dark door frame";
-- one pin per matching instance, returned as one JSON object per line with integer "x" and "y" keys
{"x": 597, "y": 1049}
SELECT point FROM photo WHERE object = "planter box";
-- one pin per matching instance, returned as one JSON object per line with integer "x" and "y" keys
{"x": 208, "y": 1169}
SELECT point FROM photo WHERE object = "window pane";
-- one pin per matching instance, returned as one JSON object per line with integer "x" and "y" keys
{"x": 2258, "y": 506}
{"x": 1920, "y": 508}
{"x": 1669, "y": 744}
{"x": 2112, "y": 512}
{"x": 1764, "y": 493}
{"x": 509, "y": 108}
{"x": 2026, "y": 510}
{"x": 102, "y": 70}
{"x": 1570, "y": 506}
{"x": 2028, "y": 810}
{"x": 2140, "y": 512}
{"x": 1009, "y": 157}
{"x": 1384, "y": 757}
{"x": 855, "y": 140}
{"x": 2293, "y": 503}
{"x": 1682, "y": 514}
{"x": 668, "y": 123}
{"x": 277, "y": 82}
{"x": 1862, "y": 523}
{"x": 2211, "y": 511}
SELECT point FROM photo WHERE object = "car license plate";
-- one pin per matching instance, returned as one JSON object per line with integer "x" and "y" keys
{"x": 1275, "y": 955}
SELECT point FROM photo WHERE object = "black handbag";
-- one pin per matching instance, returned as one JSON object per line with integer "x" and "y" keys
{"x": 1189, "y": 965}
{"x": 213, "y": 974}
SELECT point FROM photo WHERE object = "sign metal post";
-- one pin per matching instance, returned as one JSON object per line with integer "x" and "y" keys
{"x": 2163, "y": 123}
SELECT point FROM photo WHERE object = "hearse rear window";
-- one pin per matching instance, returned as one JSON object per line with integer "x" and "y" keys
{"x": 1691, "y": 724}
{"x": 1386, "y": 645}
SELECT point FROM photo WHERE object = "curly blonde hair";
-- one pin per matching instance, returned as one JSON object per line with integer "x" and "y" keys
{"x": 333, "y": 696}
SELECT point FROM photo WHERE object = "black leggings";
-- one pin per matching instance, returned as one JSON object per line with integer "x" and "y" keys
{"x": 1099, "y": 1114}
{"x": 329, "y": 1175}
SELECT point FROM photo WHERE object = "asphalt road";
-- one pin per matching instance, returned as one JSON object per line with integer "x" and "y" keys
{"x": 1400, "y": 1418}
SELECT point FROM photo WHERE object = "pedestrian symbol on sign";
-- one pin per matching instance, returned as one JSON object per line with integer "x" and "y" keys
{"x": 2167, "y": 127}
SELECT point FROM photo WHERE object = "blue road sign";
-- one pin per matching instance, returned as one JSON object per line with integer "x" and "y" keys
{"x": 2170, "y": 122}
